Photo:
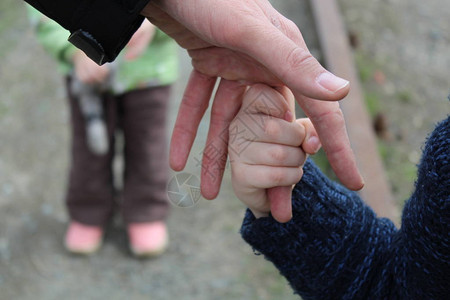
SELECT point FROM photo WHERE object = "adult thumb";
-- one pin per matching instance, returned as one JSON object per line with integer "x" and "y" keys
{"x": 291, "y": 61}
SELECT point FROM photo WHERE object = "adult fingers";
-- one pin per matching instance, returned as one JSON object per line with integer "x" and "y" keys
{"x": 280, "y": 203}
{"x": 192, "y": 108}
{"x": 226, "y": 105}
{"x": 329, "y": 122}
{"x": 280, "y": 197}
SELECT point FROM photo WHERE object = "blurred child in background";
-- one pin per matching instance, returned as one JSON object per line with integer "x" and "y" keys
{"x": 130, "y": 95}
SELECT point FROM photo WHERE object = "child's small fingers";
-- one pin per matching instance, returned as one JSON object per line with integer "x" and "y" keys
{"x": 311, "y": 143}
{"x": 264, "y": 100}
{"x": 275, "y": 155}
{"x": 280, "y": 132}
{"x": 244, "y": 130}
{"x": 264, "y": 177}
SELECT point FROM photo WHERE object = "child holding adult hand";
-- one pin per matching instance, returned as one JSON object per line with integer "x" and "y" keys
{"x": 267, "y": 149}
{"x": 321, "y": 236}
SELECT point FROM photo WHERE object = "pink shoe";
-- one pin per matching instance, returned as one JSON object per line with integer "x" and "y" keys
{"x": 83, "y": 239}
{"x": 148, "y": 239}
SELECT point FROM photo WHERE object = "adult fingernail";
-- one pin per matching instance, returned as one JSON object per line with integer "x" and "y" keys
{"x": 330, "y": 82}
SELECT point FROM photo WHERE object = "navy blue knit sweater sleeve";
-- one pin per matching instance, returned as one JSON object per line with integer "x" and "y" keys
{"x": 336, "y": 248}
{"x": 424, "y": 239}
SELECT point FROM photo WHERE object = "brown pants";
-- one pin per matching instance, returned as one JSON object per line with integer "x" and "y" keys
{"x": 141, "y": 114}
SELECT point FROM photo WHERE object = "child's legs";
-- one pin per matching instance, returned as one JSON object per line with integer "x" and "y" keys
{"x": 90, "y": 189}
{"x": 146, "y": 163}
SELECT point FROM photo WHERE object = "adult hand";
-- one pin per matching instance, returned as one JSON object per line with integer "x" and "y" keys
{"x": 245, "y": 41}
{"x": 88, "y": 71}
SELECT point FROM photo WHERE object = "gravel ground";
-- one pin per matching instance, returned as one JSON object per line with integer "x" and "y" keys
{"x": 402, "y": 54}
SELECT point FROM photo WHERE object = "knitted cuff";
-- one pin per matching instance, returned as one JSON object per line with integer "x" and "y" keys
{"x": 329, "y": 245}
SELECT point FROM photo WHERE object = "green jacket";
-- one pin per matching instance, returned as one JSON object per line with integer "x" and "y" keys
{"x": 157, "y": 66}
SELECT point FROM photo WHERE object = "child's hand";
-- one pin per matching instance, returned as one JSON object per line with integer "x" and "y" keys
{"x": 267, "y": 149}
{"x": 140, "y": 41}
{"x": 87, "y": 71}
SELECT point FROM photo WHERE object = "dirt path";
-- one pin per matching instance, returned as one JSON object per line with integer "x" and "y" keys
{"x": 404, "y": 61}
{"x": 207, "y": 258}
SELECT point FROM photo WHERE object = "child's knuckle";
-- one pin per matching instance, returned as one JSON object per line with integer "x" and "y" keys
{"x": 298, "y": 175}
{"x": 299, "y": 156}
{"x": 271, "y": 128}
{"x": 278, "y": 154}
{"x": 277, "y": 177}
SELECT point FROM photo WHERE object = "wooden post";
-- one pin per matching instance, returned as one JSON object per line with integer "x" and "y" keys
{"x": 339, "y": 60}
